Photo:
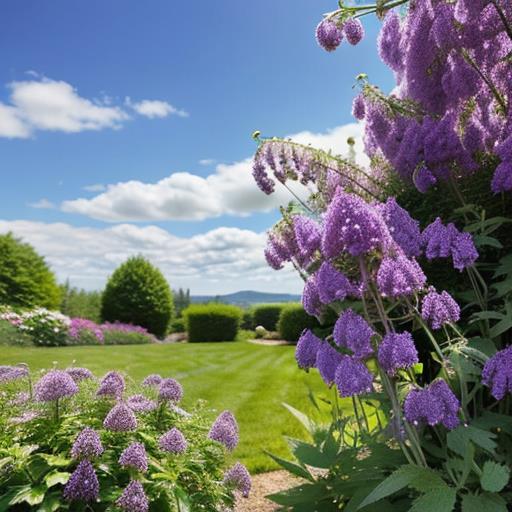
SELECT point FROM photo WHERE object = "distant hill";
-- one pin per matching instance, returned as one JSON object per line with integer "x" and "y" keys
{"x": 247, "y": 298}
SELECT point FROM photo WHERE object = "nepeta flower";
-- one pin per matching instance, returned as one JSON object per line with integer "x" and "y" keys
{"x": 307, "y": 234}
{"x": 354, "y": 31}
{"x": 261, "y": 177}
{"x": 139, "y": 403}
{"x": 135, "y": 457}
{"x": 497, "y": 373}
{"x": 399, "y": 276}
{"x": 327, "y": 360}
{"x": 432, "y": 405}
{"x": 54, "y": 385}
{"x": 328, "y": 35}
{"x": 502, "y": 179}
{"x": 173, "y": 441}
{"x": 238, "y": 477}
{"x": 397, "y": 352}
{"x": 120, "y": 419}
{"x": 464, "y": 252}
{"x": 352, "y": 377}
{"x": 152, "y": 380}
{"x": 439, "y": 308}
{"x": 311, "y": 298}
{"x": 307, "y": 347}
{"x": 353, "y": 332}
{"x": 78, "y": 374}
{"x": 358, "y": 107}
{"x": 134, "y": 498}
{"x": 225, "y": 430}
{"x": 111, "y": 385}
{"x": 83, "y": 484}
{"x": 333, "y": 285}
{"x": 87, "y": 445}
{"x": 388, "y": 43}
{"x": 170, "y": 390}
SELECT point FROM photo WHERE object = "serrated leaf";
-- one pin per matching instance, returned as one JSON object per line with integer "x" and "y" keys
{"x": 494, "y": 476}
{"x": 310, "y": 454}
{"x": 459, "y": 438}
{"x": 436, "y": 500}
{"x": 483, "y": 503}
{"x": 292, "y": 467}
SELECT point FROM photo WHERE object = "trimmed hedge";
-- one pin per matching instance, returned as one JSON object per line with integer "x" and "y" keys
{"x": 293, "y": 320}
{"x": 247, "y": 320}
{"x": 177, "y": 325}
{"x": 212, "y": 322}
{"x": 267, "y": 315}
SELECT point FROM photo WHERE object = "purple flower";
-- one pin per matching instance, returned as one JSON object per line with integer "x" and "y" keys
{"x": 118, "y": 326}
{"x": 120, "y": 419}
{"x": 307, "y": 347}
{"x": 464, "y": 252}
{"x": 25, "y": 417}
{"x": 152, "y": 380}
{"x": 497, "y": 373}
{"x": 399, "y": 276}
{"x": 135, "y": 457}
{"x": 173, "y": 441}
{"x": 389, "y": 42}
{"x": 352, "y": 377}
{"x": 139, "y": 403}
{"x": 439, "y": 308}
{"x": 78, "y": 374}
{"x": 328, "y": 35}
{"x": 307, "y": 234}
{"x": 87, "y": 445}
{"x": 170, "y": 390}
{"x": 83, "y": 324}
{"x": 358, "y": 107}
{"x": 327, "y": 360}
{"x": 423, "y": 179}
{"x": 353, "y": 332}
{"x": 432, "y": 405}
{"x": 311, "y": 298}
{"x": 333, "y": 285}
{"x": 83, "y": 484}
{"x": 397, "y": 352}
{"x": 225, "y": 430}
{"x": 354, "y": 31}
{"x": 54, "y": 385}
{"x": 134, "y": 498}
{"x": 502, "y": 179}
{"x": 238, "y": 477}
{"x": 260, "y": 175}
{"x": 10, "y": 373}
{"x": 111, "y": 385}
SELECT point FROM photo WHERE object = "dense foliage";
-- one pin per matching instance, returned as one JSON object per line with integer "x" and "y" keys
{"x": 212, "y": 322}
{"x": 293, "y": 319}
{"x": 138, "y": 293}
{"x": 25, "y": 279}
{"x": 72, "y": 442}
{"x": 181, "y": 300}
{"x": 80, "y": 303}
{"x": 428, "y": 369}
{"x": 267, "y": 315}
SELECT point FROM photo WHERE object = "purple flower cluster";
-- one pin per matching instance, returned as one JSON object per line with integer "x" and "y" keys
{"x": 397, "y": 352}
{"x": 112, "y": 385}
{"x": 78, "y": 325}
{"x": 119, "y": 326}
{"x": 399, "y": 276}
{"x": 173, "y": 441}
{"x": 135, "y": 457}
{"x": 87, "y": 445}
{"x": 311, "y": 297}
{"x": 239, "y": 478}
{"x": 54, "y": 385}
{"x": 334, "y": 285}
{"x": 329, "y": 35}
{"x": 353, "y": 30}
{"x": 353, "y": 332}
{"x": 225, "y": 430}
{"x": 83, "y": 484}
{"x": 10, "y": 373}
{"x": 152, "y": 380}
{"x": 79, "y": 374}
{"x": 306, "y": 350}
{"x": 327, "y": 360}
{"x": 497, "y": 373}
{"x": 170, "y": 390}
{"x": 139, "y": 403}
{"x": 352, "y": 377}
{"x": 120, "y": 419}
{"x": 432, "y": 405}
{"x": 439, "y": 308}
{"x": 134, "y": 498}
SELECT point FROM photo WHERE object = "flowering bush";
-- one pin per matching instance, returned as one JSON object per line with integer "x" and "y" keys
{"x": 427, "y": 370}
{"x": 71, "y": 442}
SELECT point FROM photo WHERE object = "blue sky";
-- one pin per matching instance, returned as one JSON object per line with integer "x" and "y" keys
{"x": 103, "y": 94}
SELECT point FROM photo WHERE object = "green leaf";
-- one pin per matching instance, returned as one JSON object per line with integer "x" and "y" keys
{"x": 57, "y": 477}
{"x": 459, "y": 438}
{"x": 437, "y": 500}
{"x": 310, "y": 454}
{"x": 482, "y": 241}
{"x": 33, "y": 495}
{"x": 483, "y": 503}
{"x": 503, "y": 326}
{"x": 306, "y": 422}
{"x": 51, "y": 503}
{"x": 292, "y": 467}
{"x": 55, "y": 460}
{"x": 182, "y": 499}
{"x": 494, "y": 476}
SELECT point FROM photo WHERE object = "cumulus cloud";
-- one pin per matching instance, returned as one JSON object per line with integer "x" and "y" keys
{"x": 218, "y": 261}
{"x": 55, "y": 105}
{"x": 155, "y": 108}
{"x": 230, "y": 190}
{"x": 43, "y": 204}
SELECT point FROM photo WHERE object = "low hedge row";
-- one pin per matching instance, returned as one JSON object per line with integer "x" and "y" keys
{"x": 267, "y": 315}
{"x": 212, "y": 322}
{"x": 293, "y": 320}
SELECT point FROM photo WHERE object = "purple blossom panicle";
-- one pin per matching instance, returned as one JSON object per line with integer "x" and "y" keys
{"x": 423, "y": 179}
{"x": 139, "y": 403}
{"x": 397, "y": 352}
{"x": 135, "y": 457}
{"x": 388, "y": 43}
{"x": 10, "y": 373}
{"x": 83, "y": 484}
{"x": 358, "y": 107}
{"x": 439, "y": 308}
{"x": 87, "y": 445}
{"x": 307, "y": 235}
{"x": 502, "y": 179}
{"x": 334, "y": 285}
{"x": 170, "y": 390}
{"x": 54, "y": 385}
{"x": 432, "y": 405}
{"x": 152, "y": 380}
{"x": 306, "y": 350}
{"x": 225, "y": 430}
{"x": 353, "y": 332}
{"x": 120, "y": 419}
{"x": 239, "y": 478}
{"x": 329, "y": 35}
{"x": 353, "y": 226}
{"x": 259, "y": 173}
{"x": 327, "y": 360}
{"x": 311, "y": 297}
{"x": 79, "y": 374}
{"x": 353, "y": 30}
{"x": 78, "y": 325}
{"x": 112, "y": 385}
{"x": 497, "y": 373}
{"x": 464, "y": 252}
{"x": 352, "y": 377}
{"x": 134, "y": 498}
{"x": 399, "y": 276}
{"x": 173, "y": 441}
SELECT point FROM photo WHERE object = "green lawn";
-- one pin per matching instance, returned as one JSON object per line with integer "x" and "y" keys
{"x": 250, "y": 380}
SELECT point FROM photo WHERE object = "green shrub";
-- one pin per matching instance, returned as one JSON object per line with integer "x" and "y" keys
{"x": 212, "y": 322}
{"x": 78, "y": 303}
{"x": 293, "y": 320}
{"x": 11, "y": 335}
{"x": 138, "y": 293}
{"x": 247, "y": 319}
{"x": 267, "y": 315}
{"x": 25, "y": 279}
{"x": 113, "y": 337}
{"x": 178, "y": 325}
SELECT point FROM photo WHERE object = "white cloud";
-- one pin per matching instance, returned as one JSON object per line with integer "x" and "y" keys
{"x": 219, "y": 261}
{"x": 96, "y": 187}
{"x": 43, "y": 204}
{"x": 155, "y": 108}
{"x": 229, "y": 190}
{"x": 207, "y": 161}
{"x": 11, "y": 125}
